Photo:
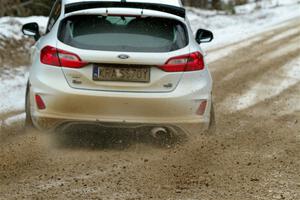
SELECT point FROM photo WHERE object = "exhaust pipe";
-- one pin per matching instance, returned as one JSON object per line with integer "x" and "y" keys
{"x": 160, "y": 133}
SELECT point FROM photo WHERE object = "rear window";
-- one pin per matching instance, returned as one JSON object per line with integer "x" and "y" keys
{"x": 122, "y": 33}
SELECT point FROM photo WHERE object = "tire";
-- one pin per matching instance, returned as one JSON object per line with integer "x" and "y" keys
{"x": 28, "y": 119}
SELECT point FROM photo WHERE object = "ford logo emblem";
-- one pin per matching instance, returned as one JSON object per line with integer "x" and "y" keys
{"x": 123, "y": 56}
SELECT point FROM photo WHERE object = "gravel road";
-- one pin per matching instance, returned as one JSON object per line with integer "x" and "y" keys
{"x": 254, "y": 153}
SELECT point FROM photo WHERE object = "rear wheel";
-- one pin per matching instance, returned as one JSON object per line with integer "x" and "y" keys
{"x": 28, "y": 120}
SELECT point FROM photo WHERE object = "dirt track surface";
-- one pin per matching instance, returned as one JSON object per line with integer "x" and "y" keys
{"x": 254, "y": 153}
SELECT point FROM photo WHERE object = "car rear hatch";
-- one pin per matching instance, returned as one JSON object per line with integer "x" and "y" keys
{"x": 121, "y": 52}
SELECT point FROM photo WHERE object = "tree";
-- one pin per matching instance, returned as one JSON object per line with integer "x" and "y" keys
{"x": 43, "y": 7}
{"x": 25, "y": 7}
{"x": 199, "y": 3}
{"x": 216, "y": 4}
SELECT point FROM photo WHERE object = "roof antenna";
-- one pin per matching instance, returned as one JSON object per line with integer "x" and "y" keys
{"x": 123, "y": 1}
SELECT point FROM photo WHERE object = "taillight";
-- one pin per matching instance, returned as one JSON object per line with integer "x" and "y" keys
{"x": 60, "y": 58}
{"x": 49, "y": 56}
{"x": 185, "y": 63}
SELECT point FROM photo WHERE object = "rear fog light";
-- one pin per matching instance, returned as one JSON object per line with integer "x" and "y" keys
{"x": 202, "y": 107}
{"x": 39, "y": 102}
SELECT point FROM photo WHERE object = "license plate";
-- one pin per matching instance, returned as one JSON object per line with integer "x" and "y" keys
{"x": 122, "y": 74}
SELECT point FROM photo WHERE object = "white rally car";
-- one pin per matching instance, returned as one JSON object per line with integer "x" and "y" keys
{"x": 119, "y": 63}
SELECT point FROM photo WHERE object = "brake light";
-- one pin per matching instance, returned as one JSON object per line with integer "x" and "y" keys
{"x": 185, "y": 63}
{"x": 49, "y": 56}
{"x": 60, "y": 58}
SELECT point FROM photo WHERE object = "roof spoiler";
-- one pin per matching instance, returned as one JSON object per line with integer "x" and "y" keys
{"x": 72, "y": 7}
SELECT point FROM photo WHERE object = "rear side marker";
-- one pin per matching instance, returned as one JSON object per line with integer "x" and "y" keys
{"x": 39, "y": 102}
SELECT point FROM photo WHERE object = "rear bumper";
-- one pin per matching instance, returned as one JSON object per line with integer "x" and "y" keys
{"x": 65, "y": 104}
{"x": 132, "y": 117}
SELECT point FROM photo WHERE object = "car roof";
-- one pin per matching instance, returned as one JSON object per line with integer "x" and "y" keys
{"x": 176, "y": 3}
